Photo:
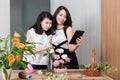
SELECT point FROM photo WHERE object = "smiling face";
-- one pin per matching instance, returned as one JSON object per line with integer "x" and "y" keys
{"x": 61, "y": 17}
{"x": 46, "y": 24}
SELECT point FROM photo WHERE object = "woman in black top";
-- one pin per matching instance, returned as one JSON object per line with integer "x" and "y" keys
{"x": 63, "y": 34}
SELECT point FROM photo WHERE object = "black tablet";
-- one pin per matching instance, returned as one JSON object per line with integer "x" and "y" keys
{"x": 76, "y": 35}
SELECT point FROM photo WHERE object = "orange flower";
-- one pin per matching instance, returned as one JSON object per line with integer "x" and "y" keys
{"x": 18, "y": 58}
{"x": 17, "y": 35}
{"x": 20, "y": 45}
{"x": 11, "y": 58}
{"x": 15, "y": 41}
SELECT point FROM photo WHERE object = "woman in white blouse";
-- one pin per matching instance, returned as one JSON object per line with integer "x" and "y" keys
{"x": 39, "y": 33}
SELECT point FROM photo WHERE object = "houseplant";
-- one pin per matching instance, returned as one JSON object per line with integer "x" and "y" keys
{"x": 11, "y": 52}
{"x": 98, "y": 68}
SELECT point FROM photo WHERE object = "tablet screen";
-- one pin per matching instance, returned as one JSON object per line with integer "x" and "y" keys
{"x": 76, "y": 35}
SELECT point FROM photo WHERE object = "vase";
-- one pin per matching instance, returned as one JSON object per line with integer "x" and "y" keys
{"x": 50, "y": 64}
{"x": 60, "y": 71}
{"x": 6, "y": 73}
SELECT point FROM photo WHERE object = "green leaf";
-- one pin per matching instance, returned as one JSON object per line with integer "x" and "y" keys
{"x": 5, "y": 72}
{"x": 30, "y": 50}
{"x": 6, "y": 43}
{"x": 2, "y": 51}
{"x": 25, "y": 58}
{"x": 1, "y": 40}
{"x": 24, "y": 64}
{"x": 1, "y": 64}
{"x": 45, "y": 54}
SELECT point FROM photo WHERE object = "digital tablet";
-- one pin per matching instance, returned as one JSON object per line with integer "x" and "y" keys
{"x": 76, "y": 35}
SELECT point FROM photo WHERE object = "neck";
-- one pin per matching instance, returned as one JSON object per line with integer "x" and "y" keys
{"x": 60, "y": 26}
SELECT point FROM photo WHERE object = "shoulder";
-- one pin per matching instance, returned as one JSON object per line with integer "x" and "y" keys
{"x": 31, "y": 30}
{"x": 69, "y": 29}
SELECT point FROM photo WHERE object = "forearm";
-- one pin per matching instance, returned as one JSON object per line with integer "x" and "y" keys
{"x": 72, "y": 47}
{"x": 37, "y": 50}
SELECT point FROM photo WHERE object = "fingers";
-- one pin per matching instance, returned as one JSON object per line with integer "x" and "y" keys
{"x": 79, "y": 40}
{"x": 50, "y": 46}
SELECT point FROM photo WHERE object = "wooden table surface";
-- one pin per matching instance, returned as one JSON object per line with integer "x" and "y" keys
{"x": 76, "y": 74}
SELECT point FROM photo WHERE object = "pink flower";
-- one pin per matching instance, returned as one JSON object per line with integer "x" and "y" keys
{"x": 67, "y": 59}
{"x": 61, "y": 61}
{"x": 56, "y": 63}
{"x": 57, "y": 56}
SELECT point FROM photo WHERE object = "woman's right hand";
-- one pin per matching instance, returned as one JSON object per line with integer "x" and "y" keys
{"x": 49, "y": 46}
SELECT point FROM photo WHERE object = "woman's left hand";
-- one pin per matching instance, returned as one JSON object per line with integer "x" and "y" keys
{"x": 79, "y": 40}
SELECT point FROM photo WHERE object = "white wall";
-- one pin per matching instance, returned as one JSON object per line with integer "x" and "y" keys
{"x": 4, "y": 17}
{"x": 86, "y": 15}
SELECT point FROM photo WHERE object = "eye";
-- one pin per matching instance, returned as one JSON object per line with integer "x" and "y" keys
{"x": 46, "y": 22}
{"x": 50, "y": 23}
{"x": 60, "y": 15}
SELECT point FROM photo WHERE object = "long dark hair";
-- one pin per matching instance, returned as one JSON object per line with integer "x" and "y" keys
{"x": 37, "y": 26}
{"x": 68, "y": 21}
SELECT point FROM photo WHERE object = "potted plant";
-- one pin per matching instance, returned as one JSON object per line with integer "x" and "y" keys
{"x": 11, "y": 52}
{"x": 98, "y": 68}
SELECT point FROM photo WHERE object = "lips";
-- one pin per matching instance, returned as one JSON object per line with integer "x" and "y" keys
{"x": 60, "y": 21}
{"x": 46, "y": 29}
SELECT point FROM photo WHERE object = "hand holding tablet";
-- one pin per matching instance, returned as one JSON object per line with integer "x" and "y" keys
{"x": 76, "y": 35}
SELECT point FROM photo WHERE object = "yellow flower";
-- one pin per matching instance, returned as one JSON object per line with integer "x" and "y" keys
{"x": 20, "y": 45}
{"x": 18, "y": 58}
{"x": 11, "y": 58}
{"x": 12, "y": 52}
{"x": 17, "y": 35}
{"x": 15, "y": 41}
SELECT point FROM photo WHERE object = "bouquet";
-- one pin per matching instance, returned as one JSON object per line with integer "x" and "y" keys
{"x": 11, "y": 52}
{"x": 60, "y": 59}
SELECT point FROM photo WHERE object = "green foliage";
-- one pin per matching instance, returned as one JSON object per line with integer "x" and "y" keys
{"x": 53, "y": 76}
{"x": 12, "y": 50}
{"x": 102, "y": 66}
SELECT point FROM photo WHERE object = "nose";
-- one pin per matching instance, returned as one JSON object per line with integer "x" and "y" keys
{"x": 48, "y": 25}
{"x": 62, "y": 17}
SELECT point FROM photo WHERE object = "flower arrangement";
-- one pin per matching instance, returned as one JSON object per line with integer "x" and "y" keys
{"x": 11, "y": 52}
{"x": 57, "y": 60}
{"x": 98, "y": 68}
{"x": 53, "y": 76}
{"x": 60, "y": 59}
